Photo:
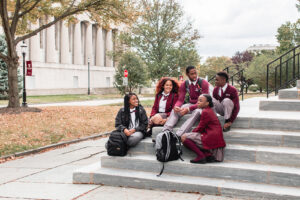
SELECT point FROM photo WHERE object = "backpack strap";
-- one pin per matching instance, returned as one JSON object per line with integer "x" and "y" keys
{"x": 200, "y": 82}
{"x": 172, "y": 101}
{"x": 187, "y": 86}
{"x": 162, "y": 170}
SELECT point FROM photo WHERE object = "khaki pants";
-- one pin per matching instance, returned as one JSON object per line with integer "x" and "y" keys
{"x": 224, "y": 108}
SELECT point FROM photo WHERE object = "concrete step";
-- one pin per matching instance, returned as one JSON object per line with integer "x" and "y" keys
{"x": 290, "y": 93}
{"x": 246, "y": 172}
{"x": 255, "y": 137}
{"x": 270, "y": 120}
{"x": 280, "y": 105}
{"x": 170, "y": 182}
{"x": 243, "y": 153}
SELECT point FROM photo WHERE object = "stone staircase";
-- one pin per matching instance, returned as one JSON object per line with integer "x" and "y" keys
{"x": 262, "y": 158}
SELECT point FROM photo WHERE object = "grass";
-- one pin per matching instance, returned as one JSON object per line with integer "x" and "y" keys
{"x": 69, "y": 98}
{"x": 29, "y": 130}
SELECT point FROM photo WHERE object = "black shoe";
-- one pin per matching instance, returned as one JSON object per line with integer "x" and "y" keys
{"x": 210, "y": 159}
{"x": 149, "y": 132}
{"x": 201, "y": 161}
{"x": 226, "y": 129}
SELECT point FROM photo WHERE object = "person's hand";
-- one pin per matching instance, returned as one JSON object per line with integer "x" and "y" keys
{"x": 183, "y": 137}
{"x": 163, "y": 121}
{"x": 177, "y": 109}
{"x": 184, "y": 111}
{"x": 127, "y": 132}
{"x": 226, "y": 125}
{"x": 156, "y": 119}
{"x": 132, "y": 131}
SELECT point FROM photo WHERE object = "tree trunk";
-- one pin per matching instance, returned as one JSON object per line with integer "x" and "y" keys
{"x": 13, "y": 93}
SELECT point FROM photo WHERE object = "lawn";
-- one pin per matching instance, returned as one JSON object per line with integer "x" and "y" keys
{"x": 29, "y": 130}
{"x": 69, "y": 98}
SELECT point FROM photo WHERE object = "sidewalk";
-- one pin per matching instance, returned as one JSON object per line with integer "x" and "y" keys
{"x": 49, "y": 176}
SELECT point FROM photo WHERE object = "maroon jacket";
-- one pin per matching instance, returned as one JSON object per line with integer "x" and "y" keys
{"x": 195, "y": 92}
{"x": 210, "y": 130}
{"x": 169, "y": 105}
{"x": 231, "y": 93}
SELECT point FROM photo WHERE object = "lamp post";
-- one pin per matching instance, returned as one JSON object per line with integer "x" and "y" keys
{"x": 89, "y": 92}
{"x": 23, "y": 49}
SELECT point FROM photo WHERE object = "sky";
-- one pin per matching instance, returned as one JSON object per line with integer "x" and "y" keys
{"x": 228, "y": 26}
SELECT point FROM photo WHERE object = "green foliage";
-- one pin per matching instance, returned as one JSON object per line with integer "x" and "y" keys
{"x": 4, "y": 73}
{"x": 257, "y": 70}
{"x": 163, "y": 39}
{"x": 288, "y": 36}
{"x": 136, "y": 72}
{"x": 213, "y": 65}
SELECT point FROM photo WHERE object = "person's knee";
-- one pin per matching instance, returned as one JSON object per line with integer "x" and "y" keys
{"x": 227, "y": 101}
{"x": 183, "y": 137}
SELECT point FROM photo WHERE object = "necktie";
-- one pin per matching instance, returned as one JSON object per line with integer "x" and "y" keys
{"x": 165, "y": 98}
{"x": 222, "y": 92}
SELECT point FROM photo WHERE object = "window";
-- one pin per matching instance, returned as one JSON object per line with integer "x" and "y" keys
{"x": 114, "y": 38}
{"x": 104, "y": 36}
{"x": 41, "y": 23}
{"x": 75, "y": 81}
{"x": 57, "y": 35}
{"x": 107, "y": 81}
{"x": 83, "y": 41}
{"x": 94, "y": 41}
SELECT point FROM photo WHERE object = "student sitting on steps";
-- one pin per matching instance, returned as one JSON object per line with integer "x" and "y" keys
{"x": 195, "y": 86}
{"x": 132, "y": 120}
{"x": 165, "y": 99}
{"x": 206, "y": 140}
{"x": 226, "y": 100}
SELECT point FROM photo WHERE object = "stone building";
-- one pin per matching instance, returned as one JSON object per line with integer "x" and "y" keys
{"x": 60, "y": 56}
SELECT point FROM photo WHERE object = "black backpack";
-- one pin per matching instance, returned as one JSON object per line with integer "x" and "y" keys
{"x": 167, "y": 148}
{"x": 117, "y": 144}
{"x": 199, "y": 82}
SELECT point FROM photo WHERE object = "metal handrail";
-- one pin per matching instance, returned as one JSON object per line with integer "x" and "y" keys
{"x": 241, "y": 74}
{"x": 225, "y": 69}
{"x": 280, "y": 67}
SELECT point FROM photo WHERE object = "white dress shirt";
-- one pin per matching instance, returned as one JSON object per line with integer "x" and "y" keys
{"x": 133, "y": 124}
{"x": 223, "y": 88}
{"x": 162, "y": 103}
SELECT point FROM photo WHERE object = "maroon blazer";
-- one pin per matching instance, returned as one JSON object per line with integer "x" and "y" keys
{"x": 195, "y": 92}
{"x": 210, "y": 129}
{"x": 169, "y": 105}
{"x": 231, "y": 93}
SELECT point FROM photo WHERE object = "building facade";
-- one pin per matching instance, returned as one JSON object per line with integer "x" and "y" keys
{"x": 60, "y": 55}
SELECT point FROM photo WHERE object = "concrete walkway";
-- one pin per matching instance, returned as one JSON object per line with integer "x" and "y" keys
{"x": 49, "y": 176}
{"x": 100, "y": 102}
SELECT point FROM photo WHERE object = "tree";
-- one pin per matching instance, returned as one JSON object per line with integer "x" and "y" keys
{"x": 136, "y": 72}
{"x": 286, "y": 37}
{"x": 213, "y": 65}
{"x": 4, "y": 72}
{"x": 257, "y": 70}
{"x": 163, "y": 39}
{"x": 17, "y": 15}
{"x": 242, "y": 60}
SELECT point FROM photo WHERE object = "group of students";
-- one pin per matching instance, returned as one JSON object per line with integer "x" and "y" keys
{"x": 206, "y": 140}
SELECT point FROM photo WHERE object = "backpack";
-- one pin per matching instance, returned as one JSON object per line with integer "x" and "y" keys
{"x": 166, "y": 147}
{"x": 117, "y": 144}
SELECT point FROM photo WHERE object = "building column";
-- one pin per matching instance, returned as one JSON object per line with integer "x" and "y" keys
{"x": 64, "y": 43}
{"x": 34, "y": 45}
{"x": 99, "y": 48}
{"x": 109, "y": 48}
{"x": 77, "y": 45}
{"x": 89, "y": 43}
{"x": 50, "y": 43}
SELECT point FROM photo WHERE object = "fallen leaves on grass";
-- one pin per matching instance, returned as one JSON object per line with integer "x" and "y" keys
{"x": 27, "y": 130}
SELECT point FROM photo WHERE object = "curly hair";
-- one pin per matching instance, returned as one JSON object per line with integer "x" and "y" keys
{"x": 162, "y": 82}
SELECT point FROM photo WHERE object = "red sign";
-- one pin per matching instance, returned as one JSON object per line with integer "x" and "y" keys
{"x": 125, "y": 73}
{"x": 181, "y": 78}
{"x": 29, "y": 68}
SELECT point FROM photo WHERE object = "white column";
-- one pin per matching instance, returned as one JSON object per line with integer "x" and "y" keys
{"x": 50, "y": 43}
{"x": 34, "y": 46}
{"x": 99, "y": 48}
{"x": 109, "y": 43}
{"x": 77, "y": 45}
{"x": 64, "y": 43}
{"x": 89, "y": 43}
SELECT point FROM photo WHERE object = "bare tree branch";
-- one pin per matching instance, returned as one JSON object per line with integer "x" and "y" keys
{"x": 69, "y": 12}
{"x": 24, "y": 37}
{"x": 15, "y": 18}
{"x": 29, "y": 9}
{"x": 5, "y": 25}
